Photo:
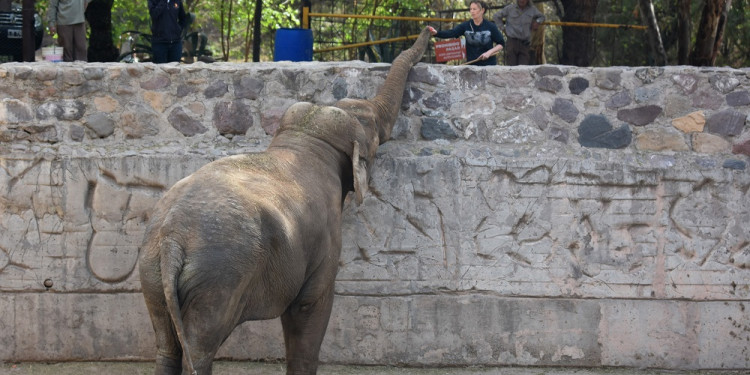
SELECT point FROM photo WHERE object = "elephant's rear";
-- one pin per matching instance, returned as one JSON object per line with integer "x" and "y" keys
{"x": 203, "y": 246}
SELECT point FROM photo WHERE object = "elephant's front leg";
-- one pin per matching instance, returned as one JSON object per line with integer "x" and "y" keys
{"x": 305, "y": 324}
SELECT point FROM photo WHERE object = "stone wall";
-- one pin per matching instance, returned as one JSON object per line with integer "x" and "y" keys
{"x": 548, "y": 216}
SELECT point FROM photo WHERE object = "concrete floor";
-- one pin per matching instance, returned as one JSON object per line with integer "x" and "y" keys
{"x": 255, "y": 368}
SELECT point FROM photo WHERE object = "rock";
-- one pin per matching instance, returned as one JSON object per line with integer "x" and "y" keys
{"x": 596, "y": 131}
{"x": 647, "y": 95}
{"x": 216, "y": 89}
{"x": 559, "y": 134}
{"x": 539, "y": 117}
{"x": 706, "y": 98}
{"x": 184, "y": 90}
{"x": 693, "y": 122}
{"x": 232, "y": 117}
{"x": 425, "y": 74}
{"x": 247, "y": 88}
{"x": 548, "y": 84}
{"x": 687, "y": 82}
{"x": 710, "y": 144}
{"x": 433, "y": 128}
{"x": 14, "y": 111}
{"x": 723, "y": 83}
{"x": 66, "y": 109}
{"x": 185, "y": 124}
{"x": 608, "y": 78}
{"x": 648, "y": 75}
{"x": 727, "y": 123}
{"x": 734, "y": 164}
{"x": 548, "y": 70}
{"x": 738, "y": 99}
{"x": 742, "y": 147}
{"x": 340, "y": 88}
{"x": 639, "y": 116}
{"x": 77, "y": 133}
{"x": 438, "y": 100}
{"x": 157, "y": 82}
{"x": 100, "y": 125}
{"x": 139, "y": 121}
{"x": 619, "y": 100}
{"x": 516, "y": 101}
{"x": 565, "y": 109}
{"x": 42, "y": 133}
{"x": 578, "y": 85}
{"x": 659, "y": 140}
{"x": 473, "y": 78}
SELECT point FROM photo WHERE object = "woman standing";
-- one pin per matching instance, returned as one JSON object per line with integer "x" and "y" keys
{"x": 167, "y": 21}
{"x": 479, "y": 33}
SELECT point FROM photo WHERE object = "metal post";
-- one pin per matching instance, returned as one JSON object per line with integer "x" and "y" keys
{"x": 305, "y": 14}
{"x": 27, "y": 31}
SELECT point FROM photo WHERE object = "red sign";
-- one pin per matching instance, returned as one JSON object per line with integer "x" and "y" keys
{"x": 453, "y": 49}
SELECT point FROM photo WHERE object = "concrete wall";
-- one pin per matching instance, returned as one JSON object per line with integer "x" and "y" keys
{"x": 552, "y": 215}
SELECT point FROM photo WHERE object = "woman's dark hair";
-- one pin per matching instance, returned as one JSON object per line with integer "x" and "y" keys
{"x": 481, "y": 3}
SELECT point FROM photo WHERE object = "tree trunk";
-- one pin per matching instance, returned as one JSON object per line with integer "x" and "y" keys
{"x": 706, "y": 39}
{"x": 537, "y": 42}
{"x": 654, "y": 35}
{"x": 99, "y": 17}
{"x": 256, "y": 29}
{"x": 578, "y": 42}
{"x": 684, "y": 29}
{"x": 720, "y": 30}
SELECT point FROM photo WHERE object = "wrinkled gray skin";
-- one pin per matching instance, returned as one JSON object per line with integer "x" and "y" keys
{"x": 258, "y": 236}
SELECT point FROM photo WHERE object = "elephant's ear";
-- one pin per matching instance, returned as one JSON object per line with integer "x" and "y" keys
{"x": 360, "y": 174}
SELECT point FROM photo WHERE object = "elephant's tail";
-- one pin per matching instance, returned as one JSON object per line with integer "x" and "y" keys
{"x": 171, "y": 265}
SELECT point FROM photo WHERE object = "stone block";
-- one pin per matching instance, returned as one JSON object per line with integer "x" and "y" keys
{"x": 738, "y": 98}
{"x": 710, "y": 144}
{"x": 565, "y": 109}
{"x": 656, "y": 140}
{"x": 596, "y": 131}
{"x": 727, "y": 123}
{"x": 639, "y": 116}
{"x": 693, "y": 122}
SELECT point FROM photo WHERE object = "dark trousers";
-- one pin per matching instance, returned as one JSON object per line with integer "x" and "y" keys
{"x": 517, "y": 52}
{"x": 73, "y": 41}
{"x": 165, "y": 52}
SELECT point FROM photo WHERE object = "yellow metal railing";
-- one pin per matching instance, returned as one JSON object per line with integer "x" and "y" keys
{"x": 306, "y": 14}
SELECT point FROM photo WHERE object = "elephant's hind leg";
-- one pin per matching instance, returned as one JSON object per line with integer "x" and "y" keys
{"x": 304, "y": 327}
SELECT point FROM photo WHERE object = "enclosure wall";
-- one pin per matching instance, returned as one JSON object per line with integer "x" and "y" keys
{"x": 550, "y": 216}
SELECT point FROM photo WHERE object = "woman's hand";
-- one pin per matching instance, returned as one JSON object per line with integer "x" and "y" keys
{"x": 432, "y": 30}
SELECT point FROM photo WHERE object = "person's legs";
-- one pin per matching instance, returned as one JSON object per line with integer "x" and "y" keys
{"x": 159, "y": 52}
{"x": 175, "y": 52}
{"x": 79, "y": 42}
{"x": 511, "y": 52}
{"x": 65, "y": 40}
{"x": 523, "y": 55}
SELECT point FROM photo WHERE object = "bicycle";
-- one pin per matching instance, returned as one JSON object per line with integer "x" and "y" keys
{"x": 135, "y": 46}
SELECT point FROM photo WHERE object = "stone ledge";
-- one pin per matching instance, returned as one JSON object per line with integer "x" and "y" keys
{"x": 414, "y": 330}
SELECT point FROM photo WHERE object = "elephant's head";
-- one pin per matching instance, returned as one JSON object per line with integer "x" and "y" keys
{"x": 355, "y": 127}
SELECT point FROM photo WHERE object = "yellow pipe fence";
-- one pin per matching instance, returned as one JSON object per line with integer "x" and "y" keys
{"x": 306, "y": 15}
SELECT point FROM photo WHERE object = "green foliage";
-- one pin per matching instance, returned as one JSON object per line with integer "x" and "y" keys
{"x": 613, "y": 46}
{"x": 129, "y": 15}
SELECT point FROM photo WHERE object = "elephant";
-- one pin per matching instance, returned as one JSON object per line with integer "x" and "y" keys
{"x": 258, "y": 236}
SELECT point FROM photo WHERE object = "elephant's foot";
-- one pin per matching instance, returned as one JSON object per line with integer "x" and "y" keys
{"x": 299, "y": 366}
{"x": 168, "y": 366}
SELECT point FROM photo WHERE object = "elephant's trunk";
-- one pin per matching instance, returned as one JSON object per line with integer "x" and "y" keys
{"x": 388, "y": 100}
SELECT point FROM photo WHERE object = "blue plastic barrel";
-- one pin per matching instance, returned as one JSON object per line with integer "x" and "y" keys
{"x": 293, "y": 45}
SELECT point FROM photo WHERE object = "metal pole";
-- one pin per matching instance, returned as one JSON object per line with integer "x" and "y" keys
{"x": 27, "y": 31}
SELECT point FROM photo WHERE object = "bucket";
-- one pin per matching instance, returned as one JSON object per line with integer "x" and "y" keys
{"x": 52, "y": 54}
{"x": 293, "y": 45}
